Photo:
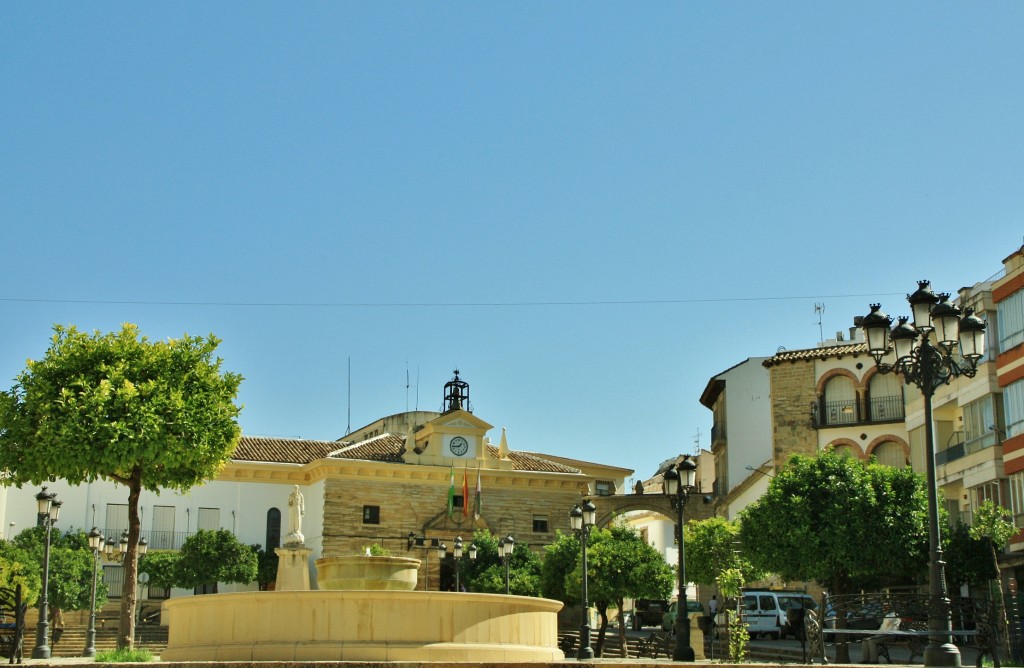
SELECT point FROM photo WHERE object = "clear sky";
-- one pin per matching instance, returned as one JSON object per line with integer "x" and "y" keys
{"x": 590, "y": 209}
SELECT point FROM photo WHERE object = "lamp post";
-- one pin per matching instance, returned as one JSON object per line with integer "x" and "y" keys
{"x": 95, "y": 544}
{"x": 678, "y": 486}
{"x": 457, "y": 553}
{"x": 939, "y": 346}
{"x": 581, "y": 520}
{"x": 505, "y": 548}
{"x": 48, "y": 509}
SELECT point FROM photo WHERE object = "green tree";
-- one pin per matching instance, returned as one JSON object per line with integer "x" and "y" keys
{"x": 620, "y": 565}
{"x": 487, "y": 572}
{"x": 16, "y": 567}
{"x": 266, "y": 565}
{"x": 71, "y": 568}
{"x": 968, "y": 560}
{"x": 147, "y": 415}
{"x": 712, "y": 547}
{"x": 211, "y": 557}
{"x": 840, "y": 522}
{"x": 560, "y": 559}
{"x": 161, "y": 567}
{"x": 993, "y": 524}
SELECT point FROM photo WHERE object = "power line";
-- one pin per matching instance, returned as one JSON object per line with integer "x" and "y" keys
{"x": 599, "y": 302}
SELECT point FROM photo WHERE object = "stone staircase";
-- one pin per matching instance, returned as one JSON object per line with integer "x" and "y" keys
{"x": 147, "y": 636}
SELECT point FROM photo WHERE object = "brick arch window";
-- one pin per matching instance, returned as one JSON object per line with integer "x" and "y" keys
{"x": 885, "y": 397}
{"x": 273, "y": 529}
{"x": 891, "y": 453}
{"x": 845, "y": 447}
{"x": 844, "y": 450}
{"x": 838, "y": 401}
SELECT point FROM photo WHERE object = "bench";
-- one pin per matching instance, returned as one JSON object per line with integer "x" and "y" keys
{"x": 567, "y": 644}
{"x": 654, "y": 644}
{"x": 883, "y": 620}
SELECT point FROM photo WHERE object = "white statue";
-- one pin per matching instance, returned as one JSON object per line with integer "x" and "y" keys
{"x": 296, "y": 509}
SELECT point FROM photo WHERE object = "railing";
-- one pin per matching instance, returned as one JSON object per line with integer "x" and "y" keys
{"x": 840, "y": 412}
{"x": 156, "y": 540}
{"x": 883, "y": 409}
{"x": 717, "y": 431}
{"x": 950, "y": 454}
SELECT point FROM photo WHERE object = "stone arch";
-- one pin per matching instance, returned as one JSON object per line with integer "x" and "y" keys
{"x": 889, "y": 438}
{"x": 833, "y": 373}
{"x": 853, "y": 445}
{"x": 829, "y": 411}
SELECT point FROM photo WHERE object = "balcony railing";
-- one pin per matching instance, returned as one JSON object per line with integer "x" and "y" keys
{"x": 950, "y": 454}
{"x": 883, "y": 409}
{"x": 717, "y": 431}
{"x": 156, "y": 540}
{"x": 840, "y": 412}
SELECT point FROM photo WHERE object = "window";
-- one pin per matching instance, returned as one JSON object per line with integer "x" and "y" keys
{"x": 839, "y": 403}
{"x": 890, "y": 453}
{"x": 978, "y": 417}
{"x": 1016, "y": 485}
{"x": 885, "y": 392}
{"x": 273, "y": 539}
{"x": 1011, "y": 321}
{"x": 162, "y": 536}
{"x": 117, "y": 520}
{"x": 113, "y": 577}
{"x": 604, "y": 487}
{"x": 540, "y": 524}
{"x": 209, "y": 519}
{"x": 1013, "y": 407}
{"x": 767, "y": 602}
{"x": 458, "y": 501}
{"x": 371, "y": 514}
{"x": 989, "y": 491}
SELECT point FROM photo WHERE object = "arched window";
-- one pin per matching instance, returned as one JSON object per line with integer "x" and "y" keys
{"x": 885, "y": 397}
{"x": 844, "y": 451}
{"x": 890, "y": 453}
{"x": 273, "y": 529}
{"x": 839, "y": 403}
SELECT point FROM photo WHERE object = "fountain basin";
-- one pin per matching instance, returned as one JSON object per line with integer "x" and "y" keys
{"x": 367, "y": 573}
{"x": 361, "y": 626}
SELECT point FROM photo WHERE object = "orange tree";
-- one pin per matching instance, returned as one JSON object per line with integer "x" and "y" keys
{"x": 147, "y": 415}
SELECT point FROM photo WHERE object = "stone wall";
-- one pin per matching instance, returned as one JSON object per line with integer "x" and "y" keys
{"x": 792, "y": 391}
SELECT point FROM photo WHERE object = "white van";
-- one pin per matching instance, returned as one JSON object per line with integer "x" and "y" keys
{"x": 765, "y": 612}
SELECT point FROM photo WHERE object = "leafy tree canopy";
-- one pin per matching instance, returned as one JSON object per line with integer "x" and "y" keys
{"x": 560, "y": 559}
{"x": 71, "y": 566}
{"x": 210, "y": 557}
{"x": 838, "y": 521}
{"x": 16, "y": 567}
{"x": 487, "y": 572}
{"x": 148, "y": 415}
{"x": 712, "y": 547}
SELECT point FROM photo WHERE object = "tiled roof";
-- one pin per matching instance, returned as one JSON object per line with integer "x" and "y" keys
{"x": 526, "y": 462}
{"x": 282, "y": 450}
{"x": 854, "y": 349}
{"x": 383, "y": 448}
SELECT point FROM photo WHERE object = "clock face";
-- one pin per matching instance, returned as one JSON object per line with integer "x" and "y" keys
{"x": 458, "y": 446}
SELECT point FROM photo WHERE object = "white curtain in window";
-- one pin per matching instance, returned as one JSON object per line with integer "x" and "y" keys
{"x": 890, "y": 454}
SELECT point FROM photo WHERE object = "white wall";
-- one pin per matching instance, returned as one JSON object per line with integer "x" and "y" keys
{"x": 748, "y": 418}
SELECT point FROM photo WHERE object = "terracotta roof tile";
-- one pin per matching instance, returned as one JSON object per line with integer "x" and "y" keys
{"x": 282, "y": 450}
{"x": 383, "y": 448}
{"x": 854, "y": 349}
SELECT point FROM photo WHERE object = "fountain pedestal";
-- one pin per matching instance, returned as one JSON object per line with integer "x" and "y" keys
{"x": 292, "y": 569}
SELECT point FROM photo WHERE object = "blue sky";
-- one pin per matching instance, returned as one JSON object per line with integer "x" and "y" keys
{"x": 588, "y": 209}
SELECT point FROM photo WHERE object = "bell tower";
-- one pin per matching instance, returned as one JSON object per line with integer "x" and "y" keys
{"x": 456, "y": 395}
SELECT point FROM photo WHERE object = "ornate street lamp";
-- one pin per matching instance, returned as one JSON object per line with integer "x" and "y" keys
{"x": 457, "y": 553}
{"x": 938, "y": 346}
{"x": 505, "y": 548}
{"x": 48, "y": 509}
{"x": 122, "y": 547}
{"x": 582, "y": 520}
{"x": 678, "y": 484}
{"x": 96, "y": 545}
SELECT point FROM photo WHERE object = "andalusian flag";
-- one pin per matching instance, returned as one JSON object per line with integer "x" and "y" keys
{"x": 451, "y": 494}
{"x": 476, "y": 505}
{"x": 465, "y": 493}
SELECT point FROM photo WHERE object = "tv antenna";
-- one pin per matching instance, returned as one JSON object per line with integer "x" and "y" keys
{"x": 819, "y": 309}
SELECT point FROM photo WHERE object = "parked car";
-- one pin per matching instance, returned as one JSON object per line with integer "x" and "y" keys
{"x": 668, "y": 620}
{"x": 648, "y": 612}
{"x": 766, "y": 612}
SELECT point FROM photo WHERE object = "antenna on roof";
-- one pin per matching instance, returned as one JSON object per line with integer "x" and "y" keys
{"x": 696, "y": 443}
{"x": 348, "y": 428}
{"x": 406, "y": 384}
{"x": 819, "y": 309}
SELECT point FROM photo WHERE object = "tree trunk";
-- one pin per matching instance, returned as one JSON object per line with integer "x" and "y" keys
{"x": 602, "y": 610}
{"x": 624, "y": 650}
{"x": 842, "y": 644}
{"x": 126, "y": 628}
{"x": 999, "y": 605}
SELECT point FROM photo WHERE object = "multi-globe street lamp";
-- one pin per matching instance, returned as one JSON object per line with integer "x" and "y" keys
{"x": 582, "y": 519}
{"x": 48, "y": 509}
{"x": 678, "y": 484}
{"x": 940, "y": 344}
{"x": 96, "y": 545}
{"x": 505, "y": 548}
